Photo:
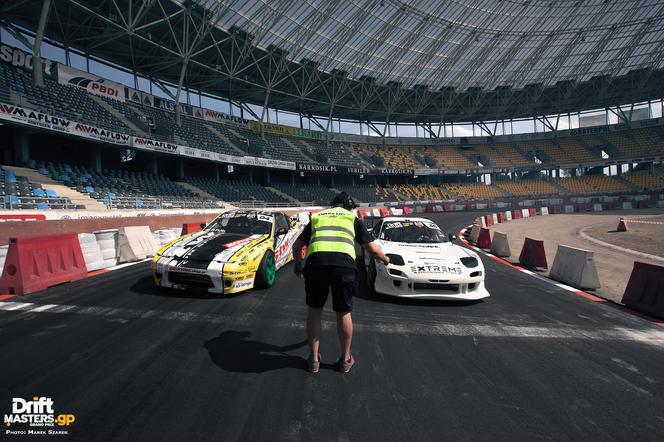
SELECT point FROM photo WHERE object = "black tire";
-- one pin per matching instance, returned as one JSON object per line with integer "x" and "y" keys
{"x": 263, "y": 279}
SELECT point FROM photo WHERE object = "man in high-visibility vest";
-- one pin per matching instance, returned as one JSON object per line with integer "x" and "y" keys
{"x": 330, "y": 238}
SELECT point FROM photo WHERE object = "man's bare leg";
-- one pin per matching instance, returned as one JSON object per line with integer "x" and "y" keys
{"x": 345, "y": 332}
{"x": 313, "y": 331}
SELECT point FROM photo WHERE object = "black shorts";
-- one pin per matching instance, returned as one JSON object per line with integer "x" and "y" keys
{"x": 320, "y": 279}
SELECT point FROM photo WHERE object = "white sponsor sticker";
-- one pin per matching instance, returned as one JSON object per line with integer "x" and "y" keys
{"x": 245, "y": 283}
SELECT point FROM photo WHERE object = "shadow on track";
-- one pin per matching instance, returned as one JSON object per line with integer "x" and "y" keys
{"x": 233, "y": 351}
{"x": 146, "y": 286}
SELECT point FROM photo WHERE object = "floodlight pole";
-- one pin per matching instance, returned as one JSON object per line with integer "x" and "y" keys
{"x": 37, "y": 70}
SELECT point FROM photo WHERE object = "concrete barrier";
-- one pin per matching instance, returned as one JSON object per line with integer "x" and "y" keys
{"x": 660, "y": 204}
{"x": 482, "y": 222}
{"x": 438, "y": 208}
{"x": 544, "y": 211}
{"x": 108, "y": 243}
{"x": 642, "y": 205}
{"x": 532, "y": 254}
{"x": 484, "y": 239}
{"x": 419, "y": 209}
{"x": 645, "y": 289}
{"x": 581, "y": 208}
{"x": 575, "y": 267}
{"x": 499, "y": 245}
{"x": 135, "y": 243}
{"x": 384, "y": 212}
{"x": 517, "y": 214}
{"x": 532, "y": 212}
{"x": 556, "y": 210}
{"x": 627, "y": 205}
{"x": 597, "y": 207}
{"x": 396, "y": 212}
{"x": 622, "y": 225}
{"x": 474, "y": 233}
{"x": 38, "y": 262}
{"x": 375, "y": 212}
{"x": 611, "y": 206}
{"x": 488, "y": 220}
{"x": 494, "y": 218}
{"x": 407, "y": 210}
{"x": 501, "y": 217}
{"x": 525, "y": 213}
{"x": 568, "y": 208}
{"x": 361, "y": 213}
{"x": 508, "y": 215}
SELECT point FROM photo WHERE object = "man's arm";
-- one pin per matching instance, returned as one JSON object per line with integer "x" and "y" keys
{"x": 376, "y": 252}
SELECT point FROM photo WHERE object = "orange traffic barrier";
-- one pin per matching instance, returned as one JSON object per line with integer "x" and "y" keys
{"x": 532, "y": 254}
{"x": 188, "y": 228}
{"x": 484, "y": 239}
{"x": 645, "y": 289}
{"x": 622, "y": 225}
{"x": 38, "y": 262}
{"x": 384, "y": 212}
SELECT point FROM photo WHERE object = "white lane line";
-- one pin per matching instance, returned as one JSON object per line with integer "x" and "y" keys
{"x": 43, "y": 308}
{"x": 127, "y": 264}
{"x": 16, "y": 305}
{"x": 489, "y": 329}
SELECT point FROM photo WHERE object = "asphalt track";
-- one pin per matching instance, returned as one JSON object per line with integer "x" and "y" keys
{"x": 533, "y": 362}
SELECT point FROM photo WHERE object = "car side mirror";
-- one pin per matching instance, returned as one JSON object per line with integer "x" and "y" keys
{"x": 282, "y": 231}
{"x": 452, "y": 237}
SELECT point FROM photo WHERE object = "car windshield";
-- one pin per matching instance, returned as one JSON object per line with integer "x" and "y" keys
{"x": 412, "y": 232}
{"x": 243, "y": 223}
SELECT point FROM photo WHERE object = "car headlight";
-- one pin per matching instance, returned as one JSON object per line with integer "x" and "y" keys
{"x": 395, "y": 259}
{"x": 470, "y": 261}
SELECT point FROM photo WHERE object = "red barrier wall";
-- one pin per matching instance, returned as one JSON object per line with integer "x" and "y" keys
{"x": 645, "y": 289}
{"x": 484, "y": 239}
{"x": 53, "y": 227}
{"x": 532, "y": 211}
{"x": 532, "y": 254}
{"x": 188, "y": 228}
{"x": 37, "y": 262}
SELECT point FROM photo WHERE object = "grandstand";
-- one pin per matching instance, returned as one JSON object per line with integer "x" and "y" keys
{"x": 456, "y": 125}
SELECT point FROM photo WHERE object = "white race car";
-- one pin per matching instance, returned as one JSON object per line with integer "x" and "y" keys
{"x": 424, "y": 263}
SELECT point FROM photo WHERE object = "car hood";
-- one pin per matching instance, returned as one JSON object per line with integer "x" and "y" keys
{"x": 208, "y": 246}
{"x": 440, "y": 253}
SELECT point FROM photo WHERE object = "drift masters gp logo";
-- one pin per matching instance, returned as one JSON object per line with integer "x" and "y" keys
{"x": 39, "y": 415}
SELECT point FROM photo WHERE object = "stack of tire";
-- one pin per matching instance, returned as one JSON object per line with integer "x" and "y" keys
{"x": 3, "y": 256}
{"x": 108, "y": 244}
{"x": 164, "y": 236}
{"x": 91, "y": 252}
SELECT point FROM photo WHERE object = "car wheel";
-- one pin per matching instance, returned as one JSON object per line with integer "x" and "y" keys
{"x": 371, "y": 275}
{"x": 267, "y": 271}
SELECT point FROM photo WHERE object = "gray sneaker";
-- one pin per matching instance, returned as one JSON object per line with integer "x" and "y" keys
{"x": 313, "y": 366}
{"x": 345, "y": 366}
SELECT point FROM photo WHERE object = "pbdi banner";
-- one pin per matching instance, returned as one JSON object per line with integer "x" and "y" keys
{"x": 90, "y": 82}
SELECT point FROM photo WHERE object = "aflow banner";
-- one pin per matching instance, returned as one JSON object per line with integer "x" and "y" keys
{"x": 31, "y": 117}
{"x": 220, "y": 117}
{"x": 90, "y": 82}
{"x": 95, "y": 133}
{"x": 192, "y": 152}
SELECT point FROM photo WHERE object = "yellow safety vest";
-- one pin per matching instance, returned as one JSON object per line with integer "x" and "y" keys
{"x": 332, "y": 230}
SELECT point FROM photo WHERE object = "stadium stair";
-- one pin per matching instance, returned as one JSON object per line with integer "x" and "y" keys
{"x": 626, "y": 183}
{"x": 283, "y": 195}
{"x": 558, "y": 186}
{"x": 299, "y": 149}
{"x": 61, "y": 190}
{"x": 200, "y": 192}
{"x": 226, "y": 140}
{"x": 587, "y": 147}
{"x": 110, "y": 109}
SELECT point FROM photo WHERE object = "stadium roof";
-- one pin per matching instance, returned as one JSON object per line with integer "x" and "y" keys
{"x": 417, "y": 60}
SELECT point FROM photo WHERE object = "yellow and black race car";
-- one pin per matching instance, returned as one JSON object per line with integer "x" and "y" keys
{"x": 238, "y": 251}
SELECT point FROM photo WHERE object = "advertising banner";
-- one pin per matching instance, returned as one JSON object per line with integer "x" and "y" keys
{"x": 272, "y": 128}
{"x": 23, "y": 60}
{"x": 90, "y": 82}
{"x": 34, "y": 118}
{"x": 220, "y": 117}
{"x": 95, "y": 133}
{"x": 157, "y": 146}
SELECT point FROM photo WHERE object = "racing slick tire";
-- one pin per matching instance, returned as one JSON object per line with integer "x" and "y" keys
{"x": 267, "y": 271}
